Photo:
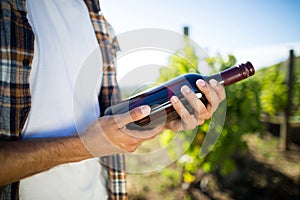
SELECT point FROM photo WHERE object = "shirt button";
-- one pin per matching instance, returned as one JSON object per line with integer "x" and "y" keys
{"x": 26, "y": 62}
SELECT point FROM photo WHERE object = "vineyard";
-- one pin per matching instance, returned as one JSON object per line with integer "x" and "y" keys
{"x": 252, "y": 159}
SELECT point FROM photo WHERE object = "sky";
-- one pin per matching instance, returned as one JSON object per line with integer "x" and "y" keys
{"x": 262, "y": 31}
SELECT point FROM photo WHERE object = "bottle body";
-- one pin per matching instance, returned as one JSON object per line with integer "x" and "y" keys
{"x": 158, "y": 98}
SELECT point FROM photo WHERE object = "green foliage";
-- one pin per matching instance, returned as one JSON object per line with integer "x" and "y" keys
{"x": 296, "y": 89}
{"x": 274, "y": 89}
{"x": 171, "y": 179}
{"x": 246, "y": 100}
{"x": 183, "y": 61}
{"x": 243, "y": 110}
{"x": 218, "y": 63}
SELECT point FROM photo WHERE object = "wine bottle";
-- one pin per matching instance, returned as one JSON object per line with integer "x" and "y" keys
{"x": 158, "y": 98}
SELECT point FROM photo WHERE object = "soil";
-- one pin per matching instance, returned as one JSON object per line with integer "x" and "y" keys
{"x": 263, "y": 172}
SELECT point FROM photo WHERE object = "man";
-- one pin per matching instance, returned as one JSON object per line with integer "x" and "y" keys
{"x": 43, "y": 46}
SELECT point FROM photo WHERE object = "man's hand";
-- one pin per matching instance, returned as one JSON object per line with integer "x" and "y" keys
{"x": 109, "y": 135}
{"x": 215, "y": 94}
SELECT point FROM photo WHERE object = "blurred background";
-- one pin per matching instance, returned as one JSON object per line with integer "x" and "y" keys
{"x": 258, "y": 153}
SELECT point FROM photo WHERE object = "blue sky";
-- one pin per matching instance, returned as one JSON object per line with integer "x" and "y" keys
{"x": 262, "y": 31}
{"x": 222, "y": 23}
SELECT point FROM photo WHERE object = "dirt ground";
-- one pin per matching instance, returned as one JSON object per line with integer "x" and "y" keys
{"x": 263, "y": 172}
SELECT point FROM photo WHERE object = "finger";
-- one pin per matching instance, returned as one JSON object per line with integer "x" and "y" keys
{"x": 204, "y": 111}
{"x": 188, "y": 120}
{"x": 131, "y": 143}
{"x": 220, "y": 91}
{"x": 133, "y": 115}
{"x": 125, "y": 140}
{"x": 145, "y": 134}
{"x": 217, "y": 94}
{"x": 197, "y": 105}
{"x": 210, "y": 94}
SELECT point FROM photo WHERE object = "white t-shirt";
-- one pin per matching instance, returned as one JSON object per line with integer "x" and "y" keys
{"x": 64, "y": 39}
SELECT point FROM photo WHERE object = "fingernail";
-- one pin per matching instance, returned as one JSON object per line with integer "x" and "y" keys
{"x": 201, "y": 83}
{"x": 213, "y": 82}
{"x": 186, "y": 89}
{"x": 174, "y": 99}
{"x": 145, "y": 110}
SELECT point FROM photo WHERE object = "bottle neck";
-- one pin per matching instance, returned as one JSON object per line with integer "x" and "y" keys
{"x": 234, "y": 74}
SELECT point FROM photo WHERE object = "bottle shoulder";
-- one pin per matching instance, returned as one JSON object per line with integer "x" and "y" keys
{"x": 192, "y": 76}
{"x": 183, "y": 79}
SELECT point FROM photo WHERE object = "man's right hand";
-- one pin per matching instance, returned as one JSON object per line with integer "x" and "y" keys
{"x": 109, "y": 135}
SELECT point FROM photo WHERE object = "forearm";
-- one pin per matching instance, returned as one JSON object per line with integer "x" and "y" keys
{"x": 105, "y": 136}
{"x": 21, "y": 159}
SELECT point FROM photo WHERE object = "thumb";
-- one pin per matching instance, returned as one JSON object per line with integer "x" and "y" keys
{"x": 133, "y": 115}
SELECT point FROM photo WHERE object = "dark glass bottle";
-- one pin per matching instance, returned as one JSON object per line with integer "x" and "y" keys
{"x": 158, "y": 98}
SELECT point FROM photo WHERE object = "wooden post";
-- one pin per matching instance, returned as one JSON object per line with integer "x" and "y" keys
{"x": 186, "y": 31}
{"x": 285, "y": 133}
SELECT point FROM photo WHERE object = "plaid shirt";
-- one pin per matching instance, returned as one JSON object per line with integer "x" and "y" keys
{"x": 16, "y": 54}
